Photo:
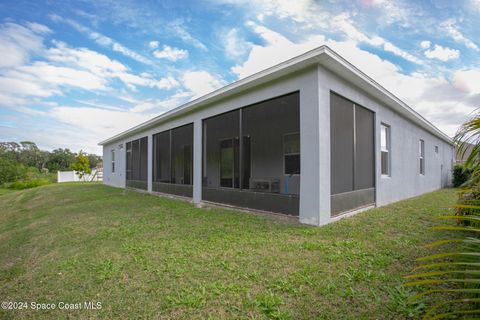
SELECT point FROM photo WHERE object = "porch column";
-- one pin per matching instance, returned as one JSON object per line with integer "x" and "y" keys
{"x": 197, "y": 160}
{"x": 324, "y": 140}
{"x": 315, "y": 153}
{"x": 150, "y": 163}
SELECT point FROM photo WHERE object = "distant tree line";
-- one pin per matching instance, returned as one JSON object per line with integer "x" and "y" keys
{"x": 21, "y": 161}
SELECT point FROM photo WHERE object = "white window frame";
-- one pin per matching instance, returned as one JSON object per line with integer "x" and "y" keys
{"x": 421, "y": 151}
{"x": 112, "y": 155}
{"x": 292, "y": 153}
{"x": 387, "y": 148}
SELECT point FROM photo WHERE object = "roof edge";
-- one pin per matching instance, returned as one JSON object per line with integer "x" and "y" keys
{"x": 308, "y": 58}
{"x": 210, "y": 97}
{"x": 409, "y": 111}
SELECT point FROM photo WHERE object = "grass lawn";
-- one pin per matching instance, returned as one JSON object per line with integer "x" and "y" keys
{"x": 143, "y": 256}
{"x": 5, "y": 191}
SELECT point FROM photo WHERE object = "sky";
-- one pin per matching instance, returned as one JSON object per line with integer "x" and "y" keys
{"x": 73, "y": 73}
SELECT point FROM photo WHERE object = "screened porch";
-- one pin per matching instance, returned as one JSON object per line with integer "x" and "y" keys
{"x": 251, "y": 156}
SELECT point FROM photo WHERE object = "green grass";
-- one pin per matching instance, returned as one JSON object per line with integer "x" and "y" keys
{"x": 5, "y": 191}
{"x": 143, "y": 256}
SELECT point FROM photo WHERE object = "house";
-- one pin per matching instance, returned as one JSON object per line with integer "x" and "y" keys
{"x": 462, "y": 153}
{"x": 312, "y": 137}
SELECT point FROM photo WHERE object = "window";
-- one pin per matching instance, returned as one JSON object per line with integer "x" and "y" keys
{"x": 291, "y": 153}
{"x": 385, "y": 149}
{"x": 421, "y": 151}
{"x": 436, "y": 149}
{"x": 113, "y": 161}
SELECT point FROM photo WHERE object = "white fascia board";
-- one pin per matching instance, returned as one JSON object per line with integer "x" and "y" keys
{"x": 338, "y": 65}
{"x": 322, "y": 55}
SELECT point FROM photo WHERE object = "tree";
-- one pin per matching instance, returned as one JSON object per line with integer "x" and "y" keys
{"x": 94, "y": 160}
{"x": 60, "y": 159}
{"x": 10, "y": 171}
{"x": 81, "y": 164}
{"x": 468, "y": 140}
{"x": 9, "y": 150}
{"x": 29, "y": 154}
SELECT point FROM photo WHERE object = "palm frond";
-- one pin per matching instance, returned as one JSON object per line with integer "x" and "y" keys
{"x": 441, "y": 273}
{"x": 437, "y": 306}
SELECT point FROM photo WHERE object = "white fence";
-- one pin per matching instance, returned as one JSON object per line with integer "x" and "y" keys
{"x": 72, "y": 176}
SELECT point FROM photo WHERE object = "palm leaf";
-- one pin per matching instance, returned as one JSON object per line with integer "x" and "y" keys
{"x": 449, "y": 314}
{"x": 436, "y": 281}
{"x": 466, "y": 218}
{"x": 447, "y": 241}
{"x": 431, "y": 291}
{"x": 449, "y": 254}
{"x": 456, "y": 228}
{"x": 441, "y": 273}
{"x": 447, "y": 264}
{"x": 435, "y": 307}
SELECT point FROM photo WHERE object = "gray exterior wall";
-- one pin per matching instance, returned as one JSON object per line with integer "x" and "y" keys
{"x": 314, "y": 85}
{"x": 304, "y": 82}
{"x": 405, "y": 180}
{"x": 117, "y": 178}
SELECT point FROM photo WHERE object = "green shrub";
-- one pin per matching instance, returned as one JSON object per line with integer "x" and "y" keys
{"x": 468, "y": 203}
{"x": 21, "y": 185}
{"x": 11, "y": 171}
{"x": 460, "y": 175}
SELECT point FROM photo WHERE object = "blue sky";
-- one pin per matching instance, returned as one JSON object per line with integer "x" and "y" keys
{"x": 73, "y": 73}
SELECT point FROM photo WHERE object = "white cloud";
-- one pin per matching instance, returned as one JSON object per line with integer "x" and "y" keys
{"x": 475, "y": 4}
{"x": 92, "y": 124}
{"x": 389, "y": 47}
{"x": 17, "y": 43}
{"x": 299, "y": 11}
{"x": 85, "y": 126}
{"x": 84, "y": 58}
{"x": 153, "y": 44}
{"x": 161, "y": 105}
{"x": 169, "y": 53}
{"x": 7, "y": 100}
{"x": 425, "y": 44}
{"x": 467, "y": 81}
{"x": 178, "y": 27}
{"x": 63, "y": 68}
{"x": 430, "y": 95}
{"x": 102, "y": 39}
{"x": 54, "y": 76}
{"x": 442, "y": 53}
{"x": 394, "y": 12}
{"x": 278, "y": 49}
{"x": 451, "y": 28}
{"x": 235, "y": 45}
{"x": 129, "y": 53}
{"x": 38, "y": 28}
{"x": 168, "y": 82}
{"x": 343, "y": 23}
{"x": 201, "y": 82}
{"x": 307, "y": 12}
